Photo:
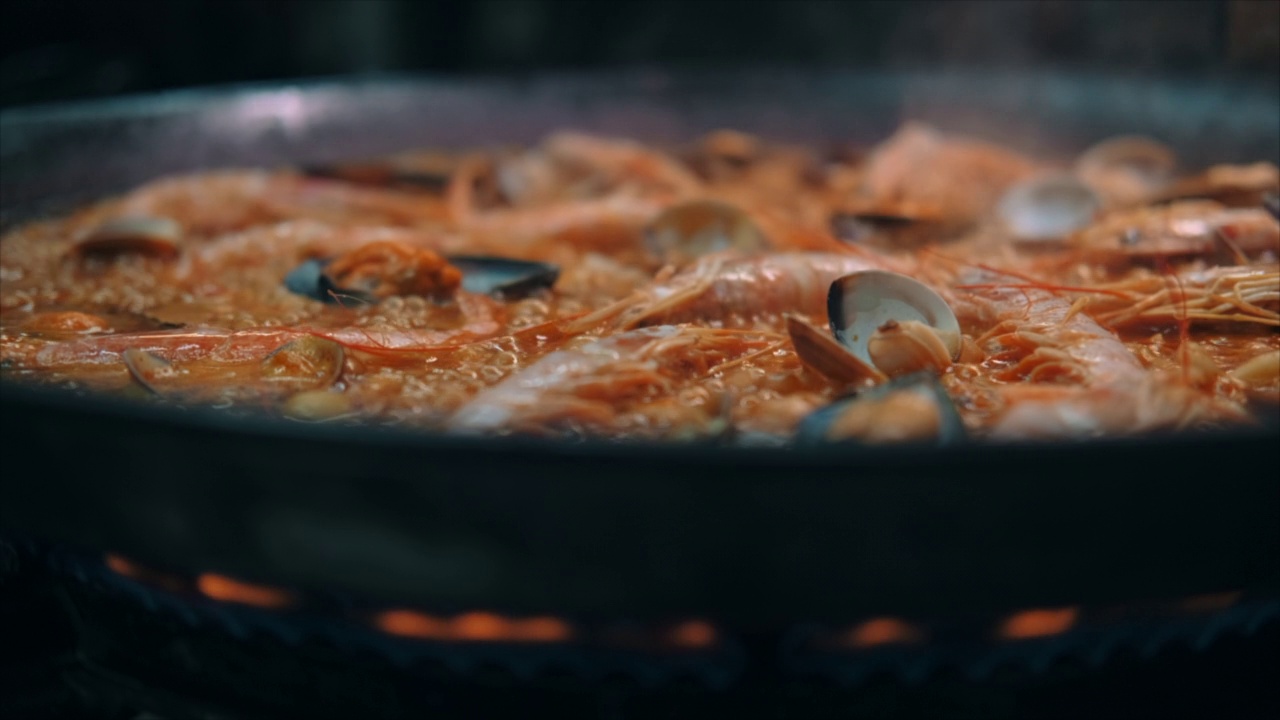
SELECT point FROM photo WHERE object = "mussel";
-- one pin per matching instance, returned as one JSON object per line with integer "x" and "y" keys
{"x": 380, "y": 174}
{"x": 912, "y": 408}
{"x": 502, "y": 277}
{"x": 1048, "y": 208}
{"x": 893, "y": 322}
{"x": 144, "y": 235}
{"x": 893, "y": 227}
{"x": 700, "y": 227}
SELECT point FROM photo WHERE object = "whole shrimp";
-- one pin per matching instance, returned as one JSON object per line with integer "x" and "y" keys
{"x": 720, "y": 288}
{"x": 1055, "y": 372}
{"x": 630, "y": 381}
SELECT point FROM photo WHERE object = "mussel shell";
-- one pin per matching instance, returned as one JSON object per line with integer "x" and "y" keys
{"x": 1048, "y": 207}
{"x": 379, "y": 174}
{"x": 502, "y": 277}
{"x": 700, "y": 227}
{"x": 307, "y": 280}
{"x": 859, "y": 303}
{"x": 815, "y": 429}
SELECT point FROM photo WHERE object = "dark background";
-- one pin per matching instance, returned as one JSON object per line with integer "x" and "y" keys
{"x": 53, "y": 50}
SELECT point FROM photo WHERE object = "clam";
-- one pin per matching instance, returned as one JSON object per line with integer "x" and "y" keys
{"x": 310, "y": 360}
{"x": 825, "y": 355}
{"x": 144, "y": 235}
{"x": 1127, "y": 170}
{"x": 1048, "y": 207}
{"x": 480, "y": 274}
{"x": 147, "y": 369}
{"x": 912, "y": 408}
{"x": 893, "y": 322}
{"x": 700, "y": 227}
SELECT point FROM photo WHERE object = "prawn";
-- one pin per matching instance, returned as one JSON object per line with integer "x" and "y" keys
{"x": 625, "y": 381}
{"x": 1184, "y": 229}
{"x": 480, "y": 314}
{"x": 722, "y": 287}
{"x": 962, "y": 179}
{"x": 1055, "y": 372}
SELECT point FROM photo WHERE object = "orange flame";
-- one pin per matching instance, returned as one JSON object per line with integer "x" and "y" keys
{"x": 473, "y": 627}
{"x": 225, "y": 589}
{"x": 133, "y": 570}
{"x": 1038, "y": 623}
{"x": 1211, "y": 602}
{"x": 121, "y": 565}
{"x": 692, "y": 634}
{"x": 408, "y": 623}
{"x": 883, "y": 631}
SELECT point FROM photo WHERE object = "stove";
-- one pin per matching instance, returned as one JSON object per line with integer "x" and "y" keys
{"x": 99, "y": 635}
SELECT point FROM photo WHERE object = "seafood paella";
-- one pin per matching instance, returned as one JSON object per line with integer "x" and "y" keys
{"x": 927, "y": 288}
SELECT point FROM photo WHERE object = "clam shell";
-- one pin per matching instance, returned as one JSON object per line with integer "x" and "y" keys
{"x": 309, "y": 360}
{"x": 1127, "y": 169}
{"x": 147, "y": 369}
{"x": 1048, "y": 207}
{"x": 860, "y": 303}
{"x": 700, "y": 227}
{"x": 826, "y": 356}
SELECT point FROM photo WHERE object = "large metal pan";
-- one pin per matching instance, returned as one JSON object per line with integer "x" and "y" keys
{"x": 762, "y": 537}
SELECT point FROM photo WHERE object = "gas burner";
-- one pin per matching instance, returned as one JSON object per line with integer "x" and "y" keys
{"x": 118, "y": 638}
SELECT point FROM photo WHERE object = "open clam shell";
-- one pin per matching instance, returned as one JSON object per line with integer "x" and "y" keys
{"x": 308, "y": 361}
{"x": 148, "y": 370}
{"x": 912, "y": 408}
{"x": 1128, "y": 169}
{"x": 701, "y": 227}
{"x": 1048, "y": 208}
{"x": 859, "y": 304}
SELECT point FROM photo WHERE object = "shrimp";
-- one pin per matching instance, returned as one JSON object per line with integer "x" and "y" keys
{"x": 210, "y": 204}
{"x": 477, "y": 317}
{"x": 722, "y": 288}
{"x": 960, "y": 179}
{"x": 621, "y": 161}
{"x": 598, "y": 225}
{"x": 1182, "y": 229}
{"x": 1055, "y": 372}
{"x": 629, "y": 381}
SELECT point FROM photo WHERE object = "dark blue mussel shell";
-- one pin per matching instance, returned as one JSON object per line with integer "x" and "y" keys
{"x": 500, "y": 277}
